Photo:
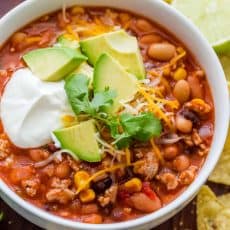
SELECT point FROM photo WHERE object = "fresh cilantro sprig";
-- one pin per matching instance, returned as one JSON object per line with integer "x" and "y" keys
{"x": 123, "y": 128}
{"x": 140, "y": 127}
{"x": 77, "y": 90}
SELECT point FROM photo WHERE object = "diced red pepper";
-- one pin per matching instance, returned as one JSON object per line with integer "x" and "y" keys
{"x": 146, "y": 188}
{"x": 123, "y": 195}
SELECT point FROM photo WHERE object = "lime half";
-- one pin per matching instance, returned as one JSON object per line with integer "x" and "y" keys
{"x": 225, "y": 61}
{"x": 212, "y": 17}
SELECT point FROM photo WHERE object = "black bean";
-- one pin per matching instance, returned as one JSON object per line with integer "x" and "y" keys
{"x": 128, "y": 175}
{"x": 101, "y": 185}
{"x": 190, "y": 115}
{"x": 191, "y": 150}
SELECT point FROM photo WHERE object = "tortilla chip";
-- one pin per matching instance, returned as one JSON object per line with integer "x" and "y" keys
{"x": 224, "y": 200}
{"x": 207, "y": 209}
{"x": 221, "y": 173}
{"x": 222, "y": 220}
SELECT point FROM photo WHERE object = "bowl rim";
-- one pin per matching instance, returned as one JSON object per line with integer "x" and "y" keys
{"x": 174, "y": 205}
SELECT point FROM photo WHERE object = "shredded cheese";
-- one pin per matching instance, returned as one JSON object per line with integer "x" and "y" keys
{"x": 154, "y": 108}
{"x": 103, "y": 171}
{"x": 64, "y": 13}
{"x": 173, "y": 104}
{"x": 70, "y": 31}
{"x": 157, "y": 151}
{"x": 33, "y": 39}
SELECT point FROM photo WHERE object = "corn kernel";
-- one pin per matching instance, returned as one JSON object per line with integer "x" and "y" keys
{"x": 133, "y": 185}
{"x": 180, "y": 74}
{"x": 80, "y": 178}
{"x": 87, "y": 195}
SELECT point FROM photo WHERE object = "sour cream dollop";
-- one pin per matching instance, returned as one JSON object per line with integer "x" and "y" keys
{"x": 31, "y": 109}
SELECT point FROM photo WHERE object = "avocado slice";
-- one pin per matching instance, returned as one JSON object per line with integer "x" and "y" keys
{"x": 53, "y": 63}
{"x": 120, "y": 45}
{"x": 84, "y": 68}
{"x": 81, "y": 140}
{"x": 109, "y": 73}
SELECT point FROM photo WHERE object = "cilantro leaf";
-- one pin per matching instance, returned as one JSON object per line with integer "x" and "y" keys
{"x": 141, "y": 127}
{"x": 103, "y": 100}
{"x": 76, "y": 88}
{"x": 123, "y": 140}
{"x": 124, "y": 128}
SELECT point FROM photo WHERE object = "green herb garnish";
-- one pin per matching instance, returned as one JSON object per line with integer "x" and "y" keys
{"x": 140, "y": 127}
{"x": 123, "y": 128}
{"x": 77, "y": 90}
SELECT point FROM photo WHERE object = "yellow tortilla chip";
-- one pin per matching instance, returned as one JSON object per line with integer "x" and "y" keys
{"x": 222, "y": 220}
{"x": 224, "y": 200}
{"x": 207, "y": 209}
{"x": 221, "y": 173}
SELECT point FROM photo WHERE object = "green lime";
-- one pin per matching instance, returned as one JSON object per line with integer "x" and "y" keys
{"x": 225, "y": 61}
{"x": 212, "y": 17}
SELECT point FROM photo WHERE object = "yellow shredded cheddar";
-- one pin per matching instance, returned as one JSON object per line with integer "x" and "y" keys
{"x": 74, "y": 34}
{"x": 173, "y": 104}
{"x": 154, "y": 108}
{"x": 157, "y": 151}
{"x": 155, "y": 91}
{"x": 33, "y": 39}
{"x": 177, "y": 58}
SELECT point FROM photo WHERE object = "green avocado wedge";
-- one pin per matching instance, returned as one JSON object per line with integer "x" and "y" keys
{"x": 81, "y": 140}
{"x": 108, "y": 73}
{"x": 53, "y": 63}
{"x": 120, "y": 45}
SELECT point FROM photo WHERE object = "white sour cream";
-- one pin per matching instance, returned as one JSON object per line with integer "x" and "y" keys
{"x": 31, "y": 109}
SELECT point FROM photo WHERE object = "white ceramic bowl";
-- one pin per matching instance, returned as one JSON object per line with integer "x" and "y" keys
{"x": 186, "y": 32}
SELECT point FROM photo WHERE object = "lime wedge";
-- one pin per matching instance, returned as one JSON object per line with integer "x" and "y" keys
{"x": 211, "y": 17}
{"x": 225, "y": 61}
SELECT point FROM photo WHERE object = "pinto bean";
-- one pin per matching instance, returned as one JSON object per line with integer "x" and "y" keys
{"x": 183, "y": 125}
{"x": 181, "y": 91}
{"x": 144, "y": 25}
{"x": 181, "y": 163}
{"x": 171, "y": 151}
{"x": 17, "y": 38}
{"x": 38, "y": 154}
{"x": 143, "y": 203}
{"x": 62, "y": 170}
{"x": 161, "y": 51}
{"x": 150, "y": 38}
{"x": 195, "y": 86}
